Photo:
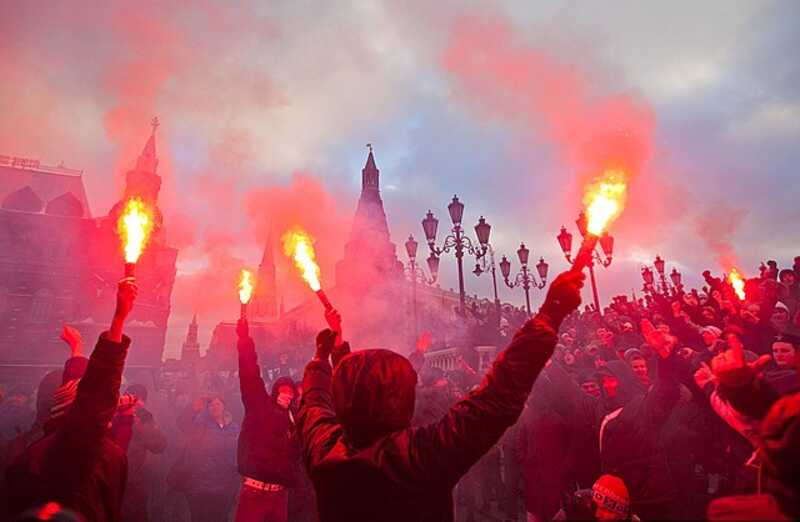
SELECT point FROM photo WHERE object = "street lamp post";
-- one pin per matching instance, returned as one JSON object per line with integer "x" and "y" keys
{"x": 457, "y": 241}
{"x": 524, "y": 277}
{"x": 416, "y": 274}
{"x": 606, "y": 245}
{"x": 481, "y": 268}
{"x": 649, "y": 278}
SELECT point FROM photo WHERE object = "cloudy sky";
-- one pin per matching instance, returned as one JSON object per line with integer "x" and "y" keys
{"x": 266, "y": 108}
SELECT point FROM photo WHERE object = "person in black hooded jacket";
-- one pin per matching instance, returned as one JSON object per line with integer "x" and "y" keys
{"x": 364, "y": 459}
{"x": 76, "y": 463}
{"x": 268, "y": 453}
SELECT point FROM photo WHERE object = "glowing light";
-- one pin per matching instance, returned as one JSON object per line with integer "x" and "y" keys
{"x": 604, "y": 200}
{"x": 297, "y": 244}
{"x": 246, "y": 285}
{"x": 737, "y": 282}
{"x": 134, "y": 227}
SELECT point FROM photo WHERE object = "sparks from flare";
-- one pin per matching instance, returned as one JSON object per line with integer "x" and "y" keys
{"x": 604, "y": 200}
{"x": 134, "y": 226}
{"x": 737, "y": 282}
{"x": 297, "y": 244}
{"x": 246, "y": 286}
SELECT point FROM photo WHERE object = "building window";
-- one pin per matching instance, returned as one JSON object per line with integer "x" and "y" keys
{"x": 42, "y": 306}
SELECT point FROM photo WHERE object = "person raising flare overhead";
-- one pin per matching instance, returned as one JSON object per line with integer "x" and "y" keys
{"x": 364, "y": 459}
{"x": 76, "y": 463}
{"x": 268, "y": 450}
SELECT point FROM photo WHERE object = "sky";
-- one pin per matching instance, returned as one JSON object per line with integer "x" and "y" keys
{"x": 266, "y": 108}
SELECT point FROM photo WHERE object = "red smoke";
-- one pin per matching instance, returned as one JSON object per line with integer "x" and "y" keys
{"x": 504, "y": 78}
{"x": 716, "y": 226}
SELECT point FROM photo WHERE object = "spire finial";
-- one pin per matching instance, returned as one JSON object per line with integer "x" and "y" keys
{"x": 154, "y": 123}
{"x": 369, "y": 146}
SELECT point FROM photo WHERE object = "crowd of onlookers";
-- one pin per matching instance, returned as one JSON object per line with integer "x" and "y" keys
{"x": 672, "y": 406}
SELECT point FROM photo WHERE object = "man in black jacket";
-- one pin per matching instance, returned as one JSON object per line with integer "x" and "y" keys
{"x": 77, "y": 464}
{"x": 269, "y": 451}
{"x": 365, "y": 460}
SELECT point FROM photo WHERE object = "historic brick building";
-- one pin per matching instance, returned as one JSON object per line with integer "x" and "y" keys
{"x": 59, "y": 265}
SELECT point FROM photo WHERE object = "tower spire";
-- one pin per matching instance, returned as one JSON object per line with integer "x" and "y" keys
{"x": 370, "y": 175}
{"x": 148, "y": 161}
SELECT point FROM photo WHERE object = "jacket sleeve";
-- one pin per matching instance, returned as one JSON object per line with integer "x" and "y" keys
{"x": 442, "y": 452}
{"x": 98, "y": 393}
{"x": 665, "y": 393}
{"x": 254, "y": 394}
{"x": 753, "y": 399}
{"x": 319, "y": 429}
{"x": 74, "y": 368}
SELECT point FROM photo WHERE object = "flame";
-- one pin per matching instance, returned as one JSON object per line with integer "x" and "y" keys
{"x": 134, "y": 227}
{"x": 246, "y": 285}
{"x": 737, "y": 282}
{"x": 604, "y": 200}
{"x": 297, "y": 244}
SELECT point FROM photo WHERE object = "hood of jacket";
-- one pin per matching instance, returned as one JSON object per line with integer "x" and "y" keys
{"x": 373, "y": 395}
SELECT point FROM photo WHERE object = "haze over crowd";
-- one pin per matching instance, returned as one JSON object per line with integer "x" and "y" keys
{"x": 265, "y": 110}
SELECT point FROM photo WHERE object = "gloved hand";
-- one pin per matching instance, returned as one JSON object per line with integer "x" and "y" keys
{"x": 563, "y": 296}
{"x": 325, "y": 342}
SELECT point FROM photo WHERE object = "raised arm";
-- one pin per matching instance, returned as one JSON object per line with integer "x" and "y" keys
{"x": 254, "y": 393}
{"x": 316, "y": 420}
{"x": 98, "y": 392}
{"x": 442, "y": 452}
{"x": 75, "y": 366}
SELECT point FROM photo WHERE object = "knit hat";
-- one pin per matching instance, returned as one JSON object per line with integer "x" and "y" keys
{"x": 782, "y": 306}
{"x": 631, "y": 354}
{"x": 610, "y": 493}
{"x": 63, "y": 398}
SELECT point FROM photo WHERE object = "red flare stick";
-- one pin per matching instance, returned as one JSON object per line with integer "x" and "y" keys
{"x": 584, "y": 256}
{"x": 324, "y": 300}
{"x": 243, "y": 311}
{"x": 130, "y": 269}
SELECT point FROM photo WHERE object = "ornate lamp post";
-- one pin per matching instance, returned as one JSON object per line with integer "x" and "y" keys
{"x": 649, "y": 278}
{"x": 606, "y": 245}
{"x": 676, "y": 278}
{"x": 416, "y": 274}
{"x": 482, "y": 229}
{"x": 458, "y": 242}
{"x": 524, "y": 277}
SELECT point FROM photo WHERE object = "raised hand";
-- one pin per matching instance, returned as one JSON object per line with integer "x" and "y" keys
{"x": 126, "y": 295}
{"x": 325, "y": 341}
{"x": 730, "y": 368}
{"x": 74, "y": 340}
{"x": 704, "y": 375}
{"x": 662, "y": 342}
{"x": 564, "y": 295}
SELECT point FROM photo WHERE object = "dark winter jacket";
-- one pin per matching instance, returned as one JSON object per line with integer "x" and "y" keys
{"x": 77, "y": 463}
{"x": 269, "y": 447}
{"x": 365, "y": 461}
{"x": 210, "y": 454}
{"x": 631, "y": 445}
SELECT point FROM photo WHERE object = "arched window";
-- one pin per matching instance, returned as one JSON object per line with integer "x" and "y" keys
{"x": 24, "y": 200}
{"x": 65, "y": 205}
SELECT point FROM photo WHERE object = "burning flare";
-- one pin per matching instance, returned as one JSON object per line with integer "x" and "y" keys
{"x": 297, "y": 244}
{"x": 737, "y": 282}
{"x": 246, "y": 286}
{"x": 134, "y": 226}
{"x": 604, "y": 200}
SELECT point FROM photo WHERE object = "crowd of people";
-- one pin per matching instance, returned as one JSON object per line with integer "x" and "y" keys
{"x": 682, "y": 405}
